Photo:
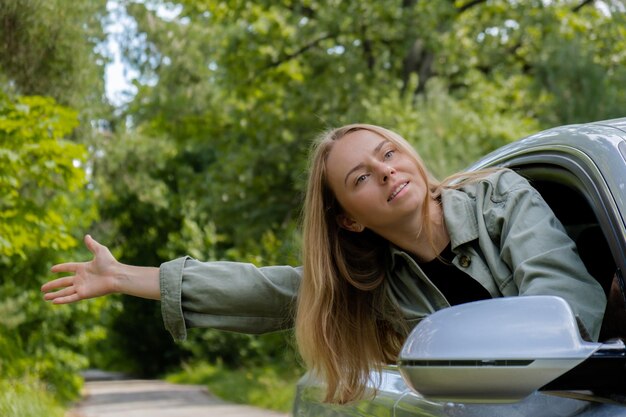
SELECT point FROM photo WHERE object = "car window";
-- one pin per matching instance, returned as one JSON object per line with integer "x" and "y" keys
{"x": 567, "y": 198}
{"x": 580, "y": 210}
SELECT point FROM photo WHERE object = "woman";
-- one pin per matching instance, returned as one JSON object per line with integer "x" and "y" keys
{"x": 385, "y": 244}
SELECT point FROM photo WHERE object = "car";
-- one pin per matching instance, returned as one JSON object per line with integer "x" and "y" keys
{"x": 542, "y": 366}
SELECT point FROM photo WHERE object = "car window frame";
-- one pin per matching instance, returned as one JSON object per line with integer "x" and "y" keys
{"x": 576, "y": 169}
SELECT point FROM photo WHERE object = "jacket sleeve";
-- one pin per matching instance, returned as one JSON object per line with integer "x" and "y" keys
{"x": 227, "y": 296}
{"x": 543, "y": 258}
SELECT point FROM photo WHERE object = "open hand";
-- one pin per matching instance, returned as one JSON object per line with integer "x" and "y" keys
{"x": 90, "y": 279}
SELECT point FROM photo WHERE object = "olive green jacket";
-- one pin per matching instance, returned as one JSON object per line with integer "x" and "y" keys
{"x": 502, "y": 232}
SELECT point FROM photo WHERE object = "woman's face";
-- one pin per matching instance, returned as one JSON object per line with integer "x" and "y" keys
{"x": 378, "y": 185}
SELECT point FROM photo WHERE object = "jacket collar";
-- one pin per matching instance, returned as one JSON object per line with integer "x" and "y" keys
{"x": 460, "y": 217}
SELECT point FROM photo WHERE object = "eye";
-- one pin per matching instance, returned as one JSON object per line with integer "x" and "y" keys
{"x": 360, "y": 179}
{"x": 389, "y": 154}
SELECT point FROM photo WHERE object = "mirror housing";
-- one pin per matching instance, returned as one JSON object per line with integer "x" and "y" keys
{"x": 497, "y": 350}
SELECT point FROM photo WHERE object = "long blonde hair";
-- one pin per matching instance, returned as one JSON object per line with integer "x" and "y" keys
{"x": 345, "y": 324}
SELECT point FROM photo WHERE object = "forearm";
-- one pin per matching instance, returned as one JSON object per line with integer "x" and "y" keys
{"x": 138, "y": 281}
{"x": 230, "y": 296}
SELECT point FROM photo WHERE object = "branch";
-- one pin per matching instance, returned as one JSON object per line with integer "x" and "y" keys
{"x": 418, "y": 60}
{"x": 469, "y": 5}
{"x": 298, "y": 7}
{"x": 367, "y": 48}
{"x": 303, "y": 49}
{"x": 582, "y": 4}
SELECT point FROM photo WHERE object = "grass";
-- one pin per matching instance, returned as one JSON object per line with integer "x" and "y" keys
{"x": 270, "y": 387}
{"x": 27, "y": 398}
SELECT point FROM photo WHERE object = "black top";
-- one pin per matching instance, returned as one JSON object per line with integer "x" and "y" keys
{"x": 457, "y": 286}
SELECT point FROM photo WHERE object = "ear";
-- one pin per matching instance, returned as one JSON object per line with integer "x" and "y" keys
{"x": 349, "y": 223}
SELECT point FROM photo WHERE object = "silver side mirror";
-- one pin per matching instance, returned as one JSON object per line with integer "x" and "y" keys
{"x": 498, "y": 350}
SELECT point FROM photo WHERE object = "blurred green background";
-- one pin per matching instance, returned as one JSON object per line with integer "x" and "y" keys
{"x": 205, "y": 151}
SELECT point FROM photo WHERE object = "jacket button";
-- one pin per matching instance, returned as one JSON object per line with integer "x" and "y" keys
{"x": 465, "y": 261}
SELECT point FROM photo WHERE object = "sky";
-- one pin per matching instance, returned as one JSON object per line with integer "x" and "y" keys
{"x": 118, "y": 76}
{"x": 119, "y": 89}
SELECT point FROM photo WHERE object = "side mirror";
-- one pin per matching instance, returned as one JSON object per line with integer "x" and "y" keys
{"x": 498, "y": 350}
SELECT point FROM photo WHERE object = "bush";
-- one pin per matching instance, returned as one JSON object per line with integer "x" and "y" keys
{"x": 270, "y": 386}
{"x": 27, "y": 398}
{"x": 34, "y": 343}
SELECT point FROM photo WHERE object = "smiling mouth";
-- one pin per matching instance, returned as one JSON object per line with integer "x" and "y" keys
{"x": 397, "y": 190}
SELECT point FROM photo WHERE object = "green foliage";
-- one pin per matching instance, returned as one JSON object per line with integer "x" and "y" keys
{"x": 47, "y": 57}
{"x": 27, "y": 398}
{"x": 132, "y": 337}
{"x": 134, "y": 189}
{"x": 55, "y": 49}
{"x": 270, "y": 386}
{"x": 42, "y": 181}
{"x": 48, "y": 49}
{"x": 48, "y": 343}
{"x": 565, "y": 56}
{"x": 40, "y": 171}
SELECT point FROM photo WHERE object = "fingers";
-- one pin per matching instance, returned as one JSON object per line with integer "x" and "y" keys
{"x": 66, "y": 267}
{"x": 64, "y": 293}
{"x": 66, "y": 300}
{"x": 57, "y": 283}
{"x": 90, "y": 243}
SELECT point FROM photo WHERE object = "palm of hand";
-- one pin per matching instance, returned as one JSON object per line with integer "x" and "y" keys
{"x": 92, "y": 279}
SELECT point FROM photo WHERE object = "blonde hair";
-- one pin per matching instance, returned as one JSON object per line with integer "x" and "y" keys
{"x": 345, "y": 324}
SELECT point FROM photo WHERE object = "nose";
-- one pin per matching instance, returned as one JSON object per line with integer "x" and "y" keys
{"x": 386, "y": 172}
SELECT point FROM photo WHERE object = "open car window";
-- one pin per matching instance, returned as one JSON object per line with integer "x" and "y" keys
{"x": 581, "y": 208}
{"x": 576, "y": 207}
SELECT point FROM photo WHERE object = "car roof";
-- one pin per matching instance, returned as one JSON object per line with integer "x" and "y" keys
{"x": 597, "y": 140}
{"x": 600, "y": 146}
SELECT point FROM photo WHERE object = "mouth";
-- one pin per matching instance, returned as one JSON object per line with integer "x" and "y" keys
{"x": 397, "y": 190}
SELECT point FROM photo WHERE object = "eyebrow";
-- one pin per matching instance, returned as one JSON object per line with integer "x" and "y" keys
{"x": 359, "y": 166}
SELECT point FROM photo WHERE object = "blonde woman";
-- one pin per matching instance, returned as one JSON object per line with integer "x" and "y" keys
{"x": 384, "y": 245}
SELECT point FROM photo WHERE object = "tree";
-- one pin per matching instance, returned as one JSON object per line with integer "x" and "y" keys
{"x": 51, "y": 95}
{"x": 42, "y": 183}
{"x": 40, "y": 173}
{"x": 50, "y": 49}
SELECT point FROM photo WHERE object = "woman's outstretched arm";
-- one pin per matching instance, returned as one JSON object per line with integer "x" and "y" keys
{"x": 101, "y": 276}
